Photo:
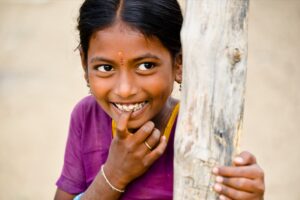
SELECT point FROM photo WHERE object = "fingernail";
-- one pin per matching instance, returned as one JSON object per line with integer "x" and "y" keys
{"x": 218, "y": 187}
{"x": 147, "y": 128}
{"x": 156, "y": 133}
{"x": 221, "y": 197}
{"x": 215, "y": 170}
{"x": 219, "y": 179}
{"x": 239, "y": 160}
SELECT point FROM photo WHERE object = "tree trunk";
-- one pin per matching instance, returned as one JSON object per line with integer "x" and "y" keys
{"x": 214, "y": 39}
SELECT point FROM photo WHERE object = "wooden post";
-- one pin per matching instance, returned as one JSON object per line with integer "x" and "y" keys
{"x": 214, "y": 38}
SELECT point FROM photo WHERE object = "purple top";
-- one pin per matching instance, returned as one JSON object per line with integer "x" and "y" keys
{"x": 89, "y": 138}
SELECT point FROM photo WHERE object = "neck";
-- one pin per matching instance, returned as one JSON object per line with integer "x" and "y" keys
{"x": 162, "y": 118}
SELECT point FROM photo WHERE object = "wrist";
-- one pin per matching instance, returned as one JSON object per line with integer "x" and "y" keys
{"x": 113, "y": 179}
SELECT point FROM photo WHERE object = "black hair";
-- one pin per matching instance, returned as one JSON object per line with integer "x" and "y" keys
{"x": 159, "y": 18}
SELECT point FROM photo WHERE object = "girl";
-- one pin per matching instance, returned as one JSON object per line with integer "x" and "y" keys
{"x": 119, "y": 145}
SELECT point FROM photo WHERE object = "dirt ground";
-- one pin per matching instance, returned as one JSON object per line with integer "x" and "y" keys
{"x": 41, "y": 80}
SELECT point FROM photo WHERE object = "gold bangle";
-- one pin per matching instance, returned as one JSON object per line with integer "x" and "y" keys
{"x": 107, "y": 181}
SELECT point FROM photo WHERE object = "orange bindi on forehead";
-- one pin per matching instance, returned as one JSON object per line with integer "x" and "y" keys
{"x": 121, "y": 57}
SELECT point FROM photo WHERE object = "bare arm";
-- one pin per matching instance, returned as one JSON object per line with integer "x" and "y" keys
{"x": 62, "y": 195}
{"x": 128, "y": 159}
{"x": 99, "y": 190}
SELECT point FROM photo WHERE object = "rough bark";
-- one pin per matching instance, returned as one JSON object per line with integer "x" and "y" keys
{"x": 214, "y": 39}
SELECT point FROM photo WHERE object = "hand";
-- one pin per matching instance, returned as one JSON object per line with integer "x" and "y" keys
{"x": 243, "y": 181}
{"x": 129, "y": 157}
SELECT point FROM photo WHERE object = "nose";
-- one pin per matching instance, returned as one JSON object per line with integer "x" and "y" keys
{"x": 126, "y": 86}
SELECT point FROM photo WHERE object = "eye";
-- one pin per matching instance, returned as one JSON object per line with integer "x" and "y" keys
{"x": 146, "y": 66}
{"x": 105, "y": 68}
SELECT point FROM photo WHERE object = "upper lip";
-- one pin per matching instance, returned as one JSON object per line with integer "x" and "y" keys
{"x": 128, "y": 103}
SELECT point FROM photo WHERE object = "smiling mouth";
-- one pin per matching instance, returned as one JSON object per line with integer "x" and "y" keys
{"x": 130, "y": 107}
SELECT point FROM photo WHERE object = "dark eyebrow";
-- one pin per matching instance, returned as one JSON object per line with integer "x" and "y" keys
{"x": 99, "y": 59}
{"x": 144, "y": 56}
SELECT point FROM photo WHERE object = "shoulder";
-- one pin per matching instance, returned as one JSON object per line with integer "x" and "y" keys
{"x": 87, "y": 113}
{"x": 86, "y": 106}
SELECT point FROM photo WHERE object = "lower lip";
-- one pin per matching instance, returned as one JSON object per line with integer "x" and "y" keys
{"x": 133, "y": 114}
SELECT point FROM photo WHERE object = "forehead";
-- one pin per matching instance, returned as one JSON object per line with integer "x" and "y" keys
{"x": 122, "y": 38}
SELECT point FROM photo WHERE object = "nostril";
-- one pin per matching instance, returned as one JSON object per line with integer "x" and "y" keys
{"x": 124, "y": 90}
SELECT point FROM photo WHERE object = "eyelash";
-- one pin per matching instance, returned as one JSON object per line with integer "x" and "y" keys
{"x": 147, "y": 63}
{"x": 108, "y": 69}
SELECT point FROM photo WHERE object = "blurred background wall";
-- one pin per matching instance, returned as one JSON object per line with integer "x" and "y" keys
{"x": 41, "y": 80}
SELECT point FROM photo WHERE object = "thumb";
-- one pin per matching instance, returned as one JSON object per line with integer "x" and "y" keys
{"x": 245, "y": 158}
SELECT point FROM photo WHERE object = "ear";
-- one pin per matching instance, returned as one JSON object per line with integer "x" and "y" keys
{"x": 84, "y": 64}
{"x": 178, "y": 68}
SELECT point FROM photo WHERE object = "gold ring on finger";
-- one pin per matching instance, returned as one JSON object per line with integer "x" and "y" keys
{"x": 148, "y": 146}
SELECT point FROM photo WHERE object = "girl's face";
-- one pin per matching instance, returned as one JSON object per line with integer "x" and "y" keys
{"x": 129, "y": 72}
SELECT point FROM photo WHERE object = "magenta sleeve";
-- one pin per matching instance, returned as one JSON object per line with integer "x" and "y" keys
{"x": 72, "y": 178}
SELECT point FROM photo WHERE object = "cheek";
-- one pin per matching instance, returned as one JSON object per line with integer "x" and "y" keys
{"x": 99, "y": 88}
{"x": 160, "y": 86}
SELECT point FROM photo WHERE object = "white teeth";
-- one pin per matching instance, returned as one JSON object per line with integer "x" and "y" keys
{"x": 131, "y": 107}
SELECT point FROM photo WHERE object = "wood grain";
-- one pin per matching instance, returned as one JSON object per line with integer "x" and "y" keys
{"x": 214, "y": 39}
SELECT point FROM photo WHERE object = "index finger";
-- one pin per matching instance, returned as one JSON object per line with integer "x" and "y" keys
{"x": 251, "y": 172}
{"x": 121, "y": 126}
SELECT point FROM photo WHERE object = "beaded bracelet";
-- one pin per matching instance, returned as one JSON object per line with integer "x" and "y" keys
{"x": 107, "y": 181}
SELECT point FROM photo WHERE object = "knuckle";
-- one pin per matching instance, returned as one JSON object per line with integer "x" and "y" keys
{"x": 148, "y": 127}
{"x": 260, "y": 172}
{"x": 248, "y": 156}
{"x": 241, "y": 183}
{"x": 236, "y": 194}
{"x": 119, "y": 128}
{"x": 246, "y": 153}
{"x": 260, "y": 188}
{"x": 138, "y": 155}
{"x": 144, "y": 128}
{"x": 231, "y": 193}
{"x": 130, "y": 147}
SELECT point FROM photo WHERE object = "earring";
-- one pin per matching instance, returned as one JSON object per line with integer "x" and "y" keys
{"x": 88, "y": 85}
{"x": 180, "y": 88}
